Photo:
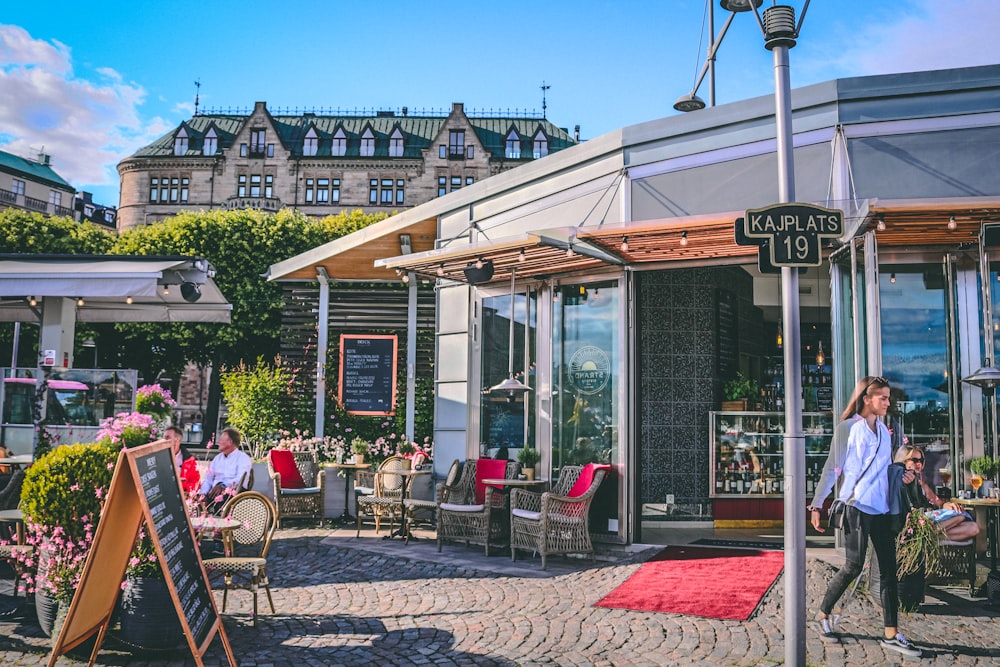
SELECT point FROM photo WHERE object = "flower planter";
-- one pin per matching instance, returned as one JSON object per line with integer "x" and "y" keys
{"x": 147, "y": 616}
{"x": 46, "y": 609}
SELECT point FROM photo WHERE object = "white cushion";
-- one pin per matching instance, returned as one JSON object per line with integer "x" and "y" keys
{"x": 526, "y": 514}
{"x": 300, "y": 492}
{"x": 364, "y": 490}
{"x": 449, "y": 507}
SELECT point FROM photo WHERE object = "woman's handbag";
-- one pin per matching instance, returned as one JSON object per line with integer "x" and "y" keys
{"x": 837, "y": 511}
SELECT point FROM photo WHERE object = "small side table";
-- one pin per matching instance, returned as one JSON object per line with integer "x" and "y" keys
{"x": 16, "y": 517}
{"x": 349, "y": 470}
{"x": 216, "y": 524}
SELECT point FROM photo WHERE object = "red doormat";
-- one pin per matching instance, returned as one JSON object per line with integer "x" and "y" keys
{"x": 700, "y": 581}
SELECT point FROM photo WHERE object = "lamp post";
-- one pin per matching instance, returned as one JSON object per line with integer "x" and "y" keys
{"x": 780, "y": 32}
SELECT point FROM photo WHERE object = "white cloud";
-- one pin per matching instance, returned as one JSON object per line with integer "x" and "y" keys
{"x": 87, "y": 125}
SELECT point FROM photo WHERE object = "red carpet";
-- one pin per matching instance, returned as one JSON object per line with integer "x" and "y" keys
{"x": 700, "y": 581}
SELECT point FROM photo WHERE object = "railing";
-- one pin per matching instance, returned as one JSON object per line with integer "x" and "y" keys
{"x": 262, "y": 203}
{"x": 8, "y": 196}
{"x": 36, "y": 204}
{"x": 62, "y": 210}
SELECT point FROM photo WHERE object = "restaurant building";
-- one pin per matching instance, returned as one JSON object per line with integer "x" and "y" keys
{"x": 608, "y": 280}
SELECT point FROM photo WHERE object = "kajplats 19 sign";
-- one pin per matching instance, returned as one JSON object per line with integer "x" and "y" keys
{"x": 791, "y": 233}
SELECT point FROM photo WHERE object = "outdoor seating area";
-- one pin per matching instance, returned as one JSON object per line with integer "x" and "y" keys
{"x": 298, "y": 483}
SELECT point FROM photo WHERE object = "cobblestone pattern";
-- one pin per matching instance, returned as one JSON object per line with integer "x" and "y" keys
{"x": 349, "y": 606}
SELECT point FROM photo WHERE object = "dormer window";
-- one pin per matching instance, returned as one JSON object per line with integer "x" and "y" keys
{"x": 258, "y": 142}
{"x": 513, "y": 145}
{"x": 540, "y": 145}
{"x": 211, "y": 144}
{"x": 181, "y": 142}
{"x": 368, "y": 143}
{"x": 339, "y": 146}
{"x": 456, "y": 143}
{"x": 311, "y": 143}
{"x": 396, "y": 143}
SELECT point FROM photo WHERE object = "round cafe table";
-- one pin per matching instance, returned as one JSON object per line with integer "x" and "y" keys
{"x": 407, "y": 475}
{"x": 207, "y": 525}
{"x": 349, "y": 470}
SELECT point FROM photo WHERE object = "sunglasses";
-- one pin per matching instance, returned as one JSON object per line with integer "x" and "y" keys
{"x": 920, "y": 461}
{"x": 879, "y": 380}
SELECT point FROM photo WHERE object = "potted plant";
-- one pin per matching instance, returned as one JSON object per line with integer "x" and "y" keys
{"x": 528, "y": 458}
{"x": 986, "y": 467}
{"x": 739, "y": 393}
{"x": 127, "y": 429}
{"x": 359, "y": 447}
{"x": 146, "y": 613}
{"x": 154, "y": 400}
{"x": 61, "y": 499}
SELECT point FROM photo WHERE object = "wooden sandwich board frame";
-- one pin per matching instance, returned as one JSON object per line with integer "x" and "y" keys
{"x": 144, "y": 486}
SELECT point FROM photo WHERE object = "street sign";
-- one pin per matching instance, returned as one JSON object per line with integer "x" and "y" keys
{"x": 790, "y": 233}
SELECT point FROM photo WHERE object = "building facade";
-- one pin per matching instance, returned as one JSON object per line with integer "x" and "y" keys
{"x": 324, "y": 164}
{"x": 33, "y": 185}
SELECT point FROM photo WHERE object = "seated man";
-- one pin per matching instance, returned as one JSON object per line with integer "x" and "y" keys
{"x": 229, "y": 471}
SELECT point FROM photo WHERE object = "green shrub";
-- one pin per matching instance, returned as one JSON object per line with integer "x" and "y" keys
{"x": 986, "y": 466}
{"x": 259, "y": 399}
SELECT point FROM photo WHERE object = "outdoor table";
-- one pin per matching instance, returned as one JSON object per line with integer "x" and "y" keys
{"x": 217, "y": 524}
{"x": 406, "y": 475}
{"x": 516, "y": 483}
{"x": 992, "y": 523}
{"x": 19, "y": 460}
{"x": 16, "y": 517}
{"x": 349, "y": 470}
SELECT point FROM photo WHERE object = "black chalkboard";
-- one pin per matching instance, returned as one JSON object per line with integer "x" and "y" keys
{"x": 158, "y": 483}
{"x": 368, "y": 374}
{"x": 727, "y": 340}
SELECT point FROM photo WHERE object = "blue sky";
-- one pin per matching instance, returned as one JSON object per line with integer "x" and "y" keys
{"x": 89, "y": 83}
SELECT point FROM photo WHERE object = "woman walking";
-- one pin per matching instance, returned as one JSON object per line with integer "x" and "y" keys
{"x": 865, "y": 490}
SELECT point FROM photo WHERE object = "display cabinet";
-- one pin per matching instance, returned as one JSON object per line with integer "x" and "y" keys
{"x": 746, "y": 456}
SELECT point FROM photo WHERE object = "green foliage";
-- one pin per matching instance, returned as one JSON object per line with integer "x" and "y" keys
{"x": 919, "y": 542}
{"x": 258, "y": 397}
{"x": 986, "y": 466}
{"x": 528, "y": 457}
{"x": 35, "y": 233}
{"x": 741, "y": 387}
{"x": 67, "y": 484}
{"x": 359, "y": 446}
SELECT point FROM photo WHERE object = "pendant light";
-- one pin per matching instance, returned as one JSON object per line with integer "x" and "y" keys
{"x": 779, "y": 340}
{"x": 511, "y": 385}
{"x": 820, "y": 357}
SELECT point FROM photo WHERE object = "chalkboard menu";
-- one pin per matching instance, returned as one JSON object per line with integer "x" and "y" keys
{"x": 727, "y": 348}
{"x": 368, "y": 374}
{"x": 158, "y": 483}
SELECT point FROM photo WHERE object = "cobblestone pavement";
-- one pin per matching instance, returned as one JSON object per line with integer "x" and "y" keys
{"x": 347, "y": 601}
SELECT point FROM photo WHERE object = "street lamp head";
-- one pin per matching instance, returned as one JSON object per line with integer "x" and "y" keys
{"x": 779, "y": 27}
{"x": 689, "y": 102}
{"x": 740, "y": 5}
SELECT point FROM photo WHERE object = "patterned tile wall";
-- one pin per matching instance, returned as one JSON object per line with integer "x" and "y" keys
{"x": 678, "y": 383}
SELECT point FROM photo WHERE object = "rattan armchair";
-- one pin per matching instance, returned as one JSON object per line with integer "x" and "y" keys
{"x": 305, "y": 502}
{"x": 413, "y": 508}
{"x": 554, "y": 522}
{"x": 246, "y": 567}
{"x": 465, "y": 516}
{"x": 387, "y": 499}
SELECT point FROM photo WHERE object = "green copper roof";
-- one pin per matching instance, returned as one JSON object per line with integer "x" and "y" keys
{"x": 418, "y": 133}
{"x": 33, "y": 171}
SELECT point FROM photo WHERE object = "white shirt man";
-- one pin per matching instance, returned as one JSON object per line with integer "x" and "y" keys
{"x": 229, "y": 469}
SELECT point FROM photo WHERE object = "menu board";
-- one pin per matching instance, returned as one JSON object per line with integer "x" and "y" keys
{"x": 158, "y": 483}
{"x": 368, "y": 374}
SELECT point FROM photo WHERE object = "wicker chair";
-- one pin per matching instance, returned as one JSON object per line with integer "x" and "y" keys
{"x": 387, "y": 499}
{"x": 247, "y": 567}
{"x": 414, "y": 507}
{"x": 307, "y": 501}
{"x": 959, "y": 560}
{"x": 554, "y": 522}
{"x": 467, "y": 516}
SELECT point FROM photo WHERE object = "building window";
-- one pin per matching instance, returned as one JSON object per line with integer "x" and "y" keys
{"x": 241, "y": 190}
{"x": 368, "y": 143}
{"x": 268, "y": 186}
{"x": 174, "y": 189}
{"x": 396, "y": 143}
{"x": 310, "y": 189}
{"x": 55, "y": 197}
{"x": 456, "y": 143}
{"x": 181, "y": 142}
{"x": 399, "y": 190}
{"x": 373, "y": 191}
{"x": 270, "y": 150}
{"x": 339, "y": 146}
{"x": 310, "y": 144}
{"x": 185, "y": 186}
{"x": 469, "y": 180}
{"x": 258, "y": 141}
{"x": 255, "y": 185}
{"x": 335, "y": 191}
{"x": 442, "y": 151}
{"x": 243, "y": 150}
{"x": 154, "y": 189}
{"x": 17, "y": 186}
{"x": 470, "y": 152}
{"x": 539, "y": 145}
{"x": 211, "y": 145}
{"x": 442, "y": 185}
{"x": 456, "y": 183}
{"x": 322, "y": 190}
{"x": 386, "y": 191}
{"x": 512, "y": 148}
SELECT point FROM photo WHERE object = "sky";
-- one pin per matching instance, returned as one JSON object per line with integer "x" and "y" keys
{"x": 91, "y": 83}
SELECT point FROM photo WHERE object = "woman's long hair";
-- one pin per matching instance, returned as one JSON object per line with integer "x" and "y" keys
{"x": 857, "y": 401}
{"x": 904, "y": 453}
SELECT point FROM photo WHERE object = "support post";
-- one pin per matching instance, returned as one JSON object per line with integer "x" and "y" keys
{"x": 322, "y": 343}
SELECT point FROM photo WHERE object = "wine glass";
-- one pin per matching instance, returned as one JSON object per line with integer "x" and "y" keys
{"x": 976, "y": 481}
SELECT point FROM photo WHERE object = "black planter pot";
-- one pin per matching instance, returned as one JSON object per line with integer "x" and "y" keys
{"x": 46, "y": 608}
{"x": 147, "y": 616}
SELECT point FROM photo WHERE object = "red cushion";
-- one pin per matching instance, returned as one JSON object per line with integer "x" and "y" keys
{"x": 488, "y": 469}
{"x": 283, "y": 462}
{"x": 586, "y": 478}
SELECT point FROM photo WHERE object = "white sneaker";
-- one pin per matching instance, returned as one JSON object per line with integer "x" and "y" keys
{"x": 826, "y": 631}
{"x": 835, "y": 622}
{"x": 901, "y": 644}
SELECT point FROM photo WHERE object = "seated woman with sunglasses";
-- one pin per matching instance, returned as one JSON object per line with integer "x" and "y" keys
{"x": 956, "y": 527}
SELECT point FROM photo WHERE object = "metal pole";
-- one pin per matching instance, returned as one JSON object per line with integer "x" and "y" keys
{"x": 322, "y": 343}
{"x": 14, "y": 351}
{"x": 794, "y": 456}
{"x": 711, "y": 53}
